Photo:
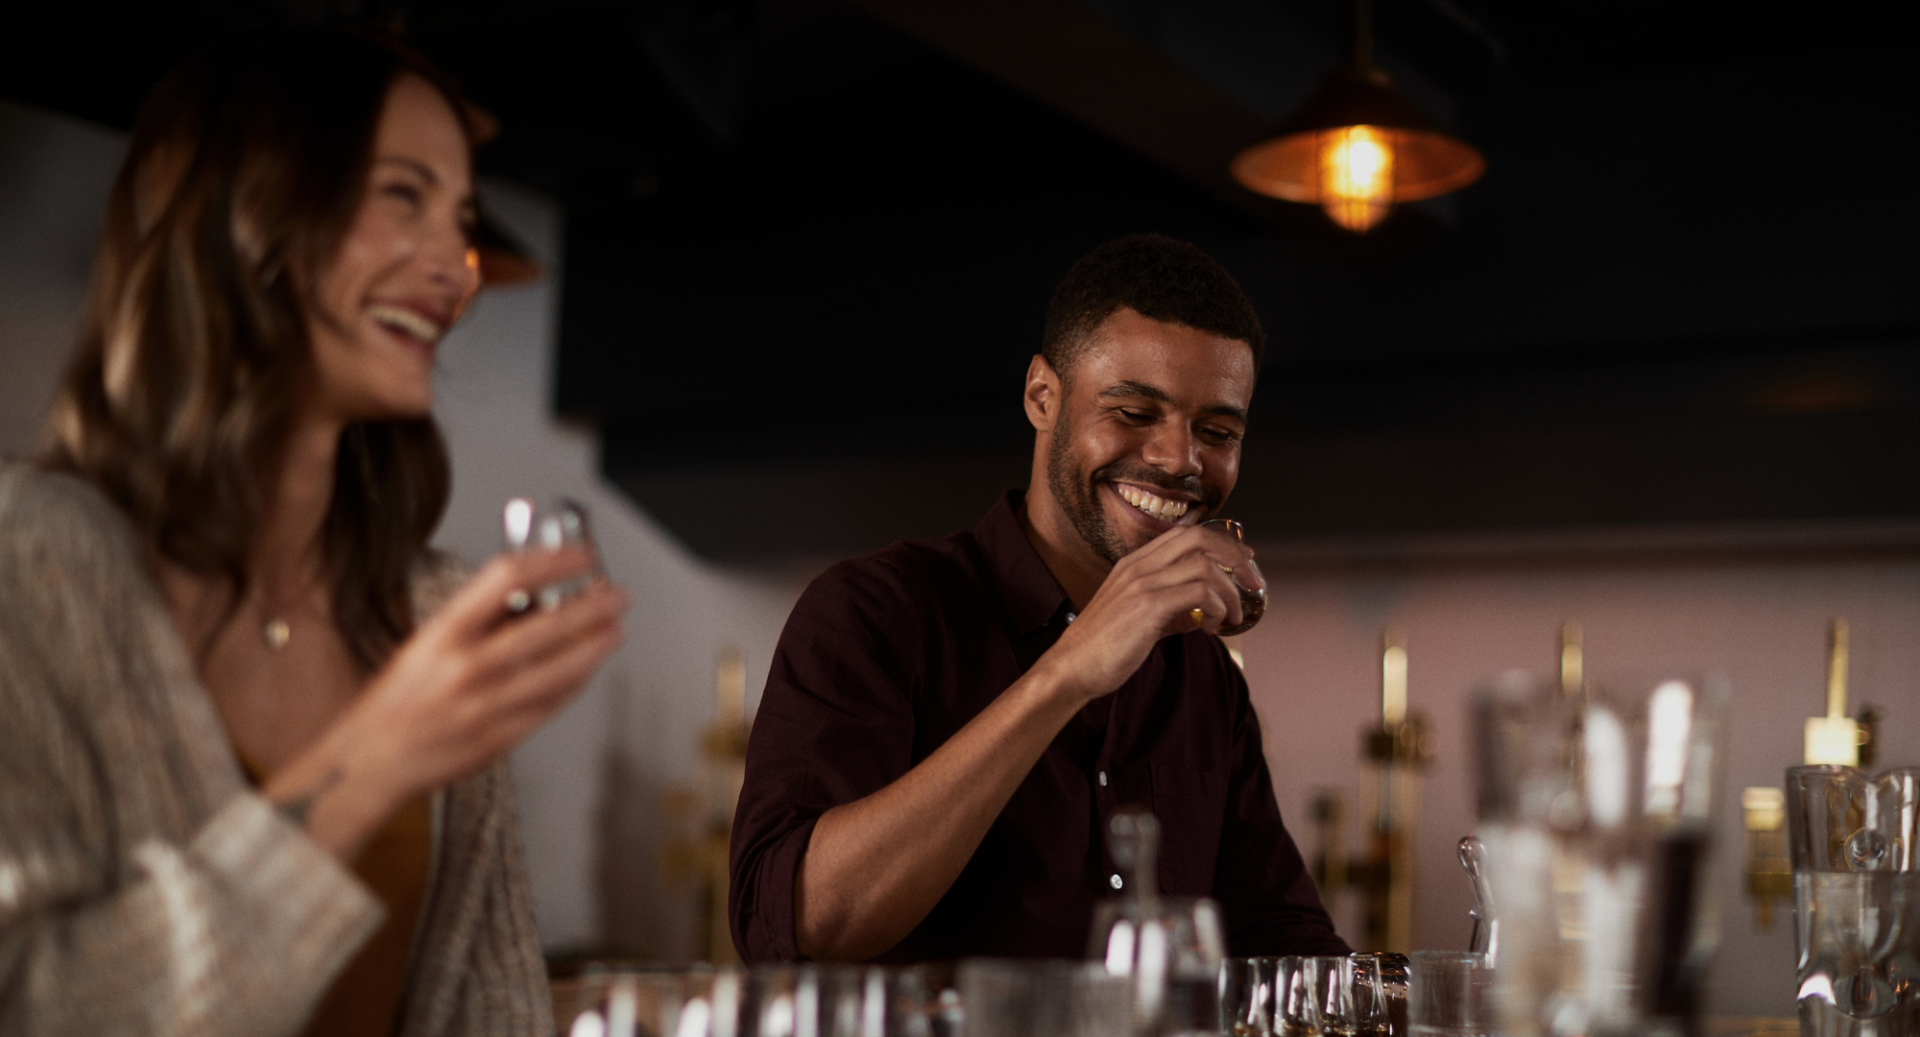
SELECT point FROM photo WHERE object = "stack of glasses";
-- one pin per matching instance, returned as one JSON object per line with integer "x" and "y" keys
{"x": 771, "y": 1001}
{"x": 1427, "y": 994}
{"x": 1359, "y": 995}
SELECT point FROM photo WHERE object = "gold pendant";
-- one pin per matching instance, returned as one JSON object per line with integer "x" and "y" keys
{"x": 277, "y": 633}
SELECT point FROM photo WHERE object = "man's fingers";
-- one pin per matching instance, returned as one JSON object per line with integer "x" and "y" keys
{"x": 1203, "y": 592}
{"x": 1248, "y": 575}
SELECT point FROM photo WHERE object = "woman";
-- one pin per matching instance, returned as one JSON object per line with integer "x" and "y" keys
{"x": 252, "y": 777}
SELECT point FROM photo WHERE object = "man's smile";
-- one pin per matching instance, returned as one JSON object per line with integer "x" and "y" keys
{"x": 1154, "y": 510}
{"x": 1163, "y": 508}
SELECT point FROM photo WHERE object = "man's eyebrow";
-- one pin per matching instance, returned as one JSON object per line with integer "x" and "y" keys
{"x": 1119, "y": 389}
{"x": 1123, "y": 389}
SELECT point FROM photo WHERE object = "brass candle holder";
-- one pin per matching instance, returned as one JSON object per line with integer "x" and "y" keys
{"x": 1393, "y": 753}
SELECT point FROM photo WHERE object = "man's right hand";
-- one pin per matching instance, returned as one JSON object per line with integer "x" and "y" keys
{"x": 1150, "y": 594}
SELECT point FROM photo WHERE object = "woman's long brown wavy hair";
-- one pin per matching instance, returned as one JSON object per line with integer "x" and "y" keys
{"x": 246, "y": 167}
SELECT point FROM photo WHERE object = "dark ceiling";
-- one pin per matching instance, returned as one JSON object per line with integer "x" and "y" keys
{"x": 808, "y": 244}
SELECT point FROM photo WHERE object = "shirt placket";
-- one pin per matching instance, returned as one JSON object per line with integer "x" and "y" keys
{"x": 1116, "y": 782}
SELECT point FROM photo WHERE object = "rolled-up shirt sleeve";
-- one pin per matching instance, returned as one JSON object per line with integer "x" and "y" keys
{"x": 834, "y": 725}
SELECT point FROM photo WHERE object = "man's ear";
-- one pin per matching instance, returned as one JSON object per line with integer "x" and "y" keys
{"x": 1043, "y": 395}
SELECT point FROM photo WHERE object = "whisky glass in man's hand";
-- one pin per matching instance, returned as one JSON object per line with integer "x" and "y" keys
{"x": 1253, "y": 600}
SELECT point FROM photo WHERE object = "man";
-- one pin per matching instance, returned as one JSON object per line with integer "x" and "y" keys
{"x": 948, "y": 723}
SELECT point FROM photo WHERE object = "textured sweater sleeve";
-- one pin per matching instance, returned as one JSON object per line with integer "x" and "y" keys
{"x": 480, "y": 968}
{"x": 164, "y": 907}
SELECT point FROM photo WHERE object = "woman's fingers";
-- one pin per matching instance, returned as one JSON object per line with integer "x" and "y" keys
{"x": 527, "y": 641}
{"x": 538, "y": 691}
{"x": 484, "y": 601}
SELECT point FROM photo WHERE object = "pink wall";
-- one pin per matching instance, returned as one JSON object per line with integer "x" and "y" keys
{"x": 1753, "y": 605}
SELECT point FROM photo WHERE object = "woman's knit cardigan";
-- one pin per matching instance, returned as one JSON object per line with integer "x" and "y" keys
{"x": 144, "y": 887}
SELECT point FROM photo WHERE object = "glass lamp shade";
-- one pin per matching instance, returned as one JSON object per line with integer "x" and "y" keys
{"x": 1355, "y": 149}
{"x": 502, "y": 260}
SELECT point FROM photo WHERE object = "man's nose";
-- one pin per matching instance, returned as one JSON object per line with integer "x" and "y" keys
{"x": 1173, "y": 449}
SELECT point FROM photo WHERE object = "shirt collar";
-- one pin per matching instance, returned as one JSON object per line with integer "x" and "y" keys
{"x": 1032, "y": 595}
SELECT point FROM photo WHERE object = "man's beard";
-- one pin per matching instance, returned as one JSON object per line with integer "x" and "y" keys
{"x": 1076, "y": 492}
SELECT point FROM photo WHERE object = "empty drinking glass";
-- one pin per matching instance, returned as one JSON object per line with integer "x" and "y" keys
{"x": 1246, "y": 996}
{"x": 1329, "y": 982}
{"x": 644, "y": 1003}
{"x": 1296, "y": 1013}
{"x": 1003, "y": 998}
{"x": 1856, "y": 885}
{"x": 564, "y": 523}
{"x": 1449, "y": 995}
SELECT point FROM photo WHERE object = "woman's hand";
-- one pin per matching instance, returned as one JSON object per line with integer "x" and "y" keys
{"x": 470, "y": 684}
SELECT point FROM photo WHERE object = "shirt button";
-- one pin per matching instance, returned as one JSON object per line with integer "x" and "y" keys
{"x": 1114, "y": 881}
{"x": 1102, "y": 779}
{"x": 1071, "y": 616}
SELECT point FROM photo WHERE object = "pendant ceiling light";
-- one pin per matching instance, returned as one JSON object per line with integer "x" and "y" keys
{"x": 1358, "y": 146}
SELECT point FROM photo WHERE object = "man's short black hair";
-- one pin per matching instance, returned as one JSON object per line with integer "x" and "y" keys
{"x": 1157, "y": 277}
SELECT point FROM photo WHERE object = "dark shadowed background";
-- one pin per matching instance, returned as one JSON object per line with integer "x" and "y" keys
{"x": 808, "y": 244}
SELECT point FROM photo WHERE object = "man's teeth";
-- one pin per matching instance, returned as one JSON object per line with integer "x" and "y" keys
{"x": 1158, "y": 507}
{"x": 406, "y": 320}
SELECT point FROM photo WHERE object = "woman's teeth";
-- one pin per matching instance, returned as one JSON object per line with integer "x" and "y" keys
{"x": 1159, "y": 507}
{"x": 404, "y": 320}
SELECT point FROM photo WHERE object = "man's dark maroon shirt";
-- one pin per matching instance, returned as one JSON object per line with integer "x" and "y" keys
{"x": 887, "y": 656}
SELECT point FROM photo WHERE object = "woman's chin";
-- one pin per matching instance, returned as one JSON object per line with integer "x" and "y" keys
{"x": 408, "y": 407}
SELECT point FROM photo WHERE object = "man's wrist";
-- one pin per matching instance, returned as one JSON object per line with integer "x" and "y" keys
{"x": 1056, "y": 678}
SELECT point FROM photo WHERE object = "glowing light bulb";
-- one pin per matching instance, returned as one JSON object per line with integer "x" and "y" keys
{"x": 1356, "y": 176}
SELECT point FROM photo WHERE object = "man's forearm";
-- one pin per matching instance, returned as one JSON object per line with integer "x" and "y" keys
{"x": 875, "y": 867}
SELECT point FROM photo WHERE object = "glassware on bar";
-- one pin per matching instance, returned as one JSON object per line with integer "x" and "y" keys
{"x": 1856, "y": 891}
{"x": 1329, "y": 983}
{"x": 1005, "y": 998}
{"x": 1450, "y": 995}
{"x": 1380, "y": 994}
{"x": 1246, "y": 996}
{"x": 648, "y": 1003}
{"x": 1597, "y": 819}
{"x": 766, "y": 1001}
{"x": 1295, "y": 1012}
{"x": 1170, "y": 947}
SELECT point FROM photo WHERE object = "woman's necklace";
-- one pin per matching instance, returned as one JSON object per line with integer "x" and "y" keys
{"x": 277, "y": 629}
{"x": 276, "y": 632}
